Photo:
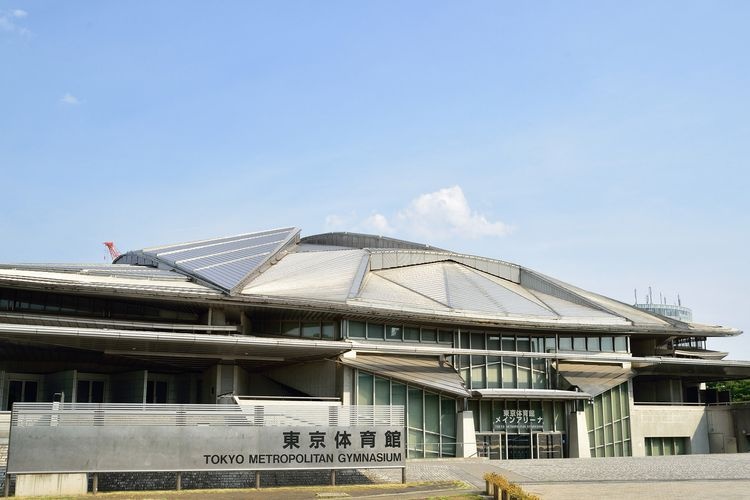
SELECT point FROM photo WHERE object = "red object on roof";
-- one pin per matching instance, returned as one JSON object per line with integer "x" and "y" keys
{"x": 112, "y": 249}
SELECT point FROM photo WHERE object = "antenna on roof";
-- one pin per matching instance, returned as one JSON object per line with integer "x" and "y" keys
{"x": 113, "y": 252}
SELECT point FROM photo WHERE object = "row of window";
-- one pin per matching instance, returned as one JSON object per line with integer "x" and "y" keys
{"x": 494, "y": 372}
{"x": 657, "y": 446}
{"x": 397, "y": 333}
{"x": 484, "y": 340}
{"x": 54, "y": 303}
{"x": 430, "y": 418}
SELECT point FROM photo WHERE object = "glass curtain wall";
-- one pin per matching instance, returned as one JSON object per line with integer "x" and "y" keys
{"x": 430, "y": 417}
{"x": 608, "y": 423}
{"x": 656, "y": 446}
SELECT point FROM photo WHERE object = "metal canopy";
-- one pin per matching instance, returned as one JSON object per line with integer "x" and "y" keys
{"x": 542, "y": 394}
{"x": 429, "y": 373}
{"x": 174, "y": 344}
{"x": 594, "y": 378}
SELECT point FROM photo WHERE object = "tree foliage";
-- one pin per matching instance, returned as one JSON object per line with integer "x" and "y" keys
{"x": 739, "y": 389}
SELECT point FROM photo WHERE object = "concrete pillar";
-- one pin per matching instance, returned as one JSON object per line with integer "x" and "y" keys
{"x": 466, "y": 436}
{"x": 578, "y": 438}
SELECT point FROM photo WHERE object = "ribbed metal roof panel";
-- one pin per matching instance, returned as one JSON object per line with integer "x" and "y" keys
{"x": 213, "y": 242}
{"x": 572, "y": 310}
{"x": 134, "y": 284}
{"x": 225, "y": 262}
{"x": 425, "y": 279}
{"x": 123, "y": 270}
{"x": 470, "y": 289}
{"x": 378, "y": 289}
{"x": 314, "y": 275}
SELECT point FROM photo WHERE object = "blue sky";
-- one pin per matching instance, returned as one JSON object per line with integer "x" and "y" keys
{"x": 603, "y": 143}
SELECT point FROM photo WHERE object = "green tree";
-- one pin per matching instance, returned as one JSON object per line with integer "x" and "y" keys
{"x": 739, "y": 389}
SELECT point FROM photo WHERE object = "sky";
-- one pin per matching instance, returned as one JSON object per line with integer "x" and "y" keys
{"x": 602, "y": 143}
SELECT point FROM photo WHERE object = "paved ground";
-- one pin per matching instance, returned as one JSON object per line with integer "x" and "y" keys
{"x": 662, "y": 478}
{"x": 675, "y": 477}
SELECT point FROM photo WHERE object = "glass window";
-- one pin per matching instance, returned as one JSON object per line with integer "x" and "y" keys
{"x": 431, "y": 412}
{"x": 524, "y": 345}
{"x": 415, "y": 408}
{"x": 375, "y": 331}
{"x": 464, "y": 336}
{"x": 357, "y": 329}
{"x": 448, "y": 417}
{"x": 445, "y": 336}
{"x": 486, "y": 418}
{"x": 431, "y": 445}
{"x": 477, "y": 341}
{"x": 579, "y": 343}
{"x": 607, "y": 345}
{"x": 82, "y": 391}
{"x": 393, "y": 332}
{"x": 493, "y": 376}
{"x": 493, "y": 342}
{"x": 593, "y": 344}
{"x": 398, "y": 394}
{"x": 329, "y": 330}
{"x": 566, "y": 344}
{"x": 524, "y": 373}
{"x": 549, "y": 344}
{"x": 290, "y": 328}
{"x": 508, "y": 343}
{"x": 411, "y": 334}
{"x": 621, "y": 344}
{"x": 382, "y": 391}
{"x": 416, "y": 444}
{"x": 477, "y": 377}
{"x": 509, "y": 373}
{"x": 429, "y": 335}
{"x": 311, "y": 330}
{"x": 364, "y": 388}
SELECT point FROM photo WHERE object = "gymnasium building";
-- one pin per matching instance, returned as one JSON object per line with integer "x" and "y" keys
{"x": 487, "y": 357}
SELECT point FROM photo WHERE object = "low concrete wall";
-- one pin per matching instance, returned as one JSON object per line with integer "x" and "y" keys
{"x": 51, "y": 484}
{"x": 669, "y": 421}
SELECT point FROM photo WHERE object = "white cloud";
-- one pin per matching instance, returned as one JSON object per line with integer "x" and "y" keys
{"x": 446, "y": 213}
{"x": 8, "y": 19}
{"x": 378, "y": 223}
{"x": 340, "y": 222}
{"x": 69, "y": 99}
{"x": 439, "y": 215}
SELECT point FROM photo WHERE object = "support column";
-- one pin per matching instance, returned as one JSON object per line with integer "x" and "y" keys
{"x": 466, "y": 437}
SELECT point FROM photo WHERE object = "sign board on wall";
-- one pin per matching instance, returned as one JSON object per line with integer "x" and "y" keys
{"x": 130, "y": 448}
{"x": 518, "y": 419}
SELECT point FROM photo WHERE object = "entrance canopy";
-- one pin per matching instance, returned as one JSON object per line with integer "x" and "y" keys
{"x": 426, "y": 372}
{"x": 594, "y": 378}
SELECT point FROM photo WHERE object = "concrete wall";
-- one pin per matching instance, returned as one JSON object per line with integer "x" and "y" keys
{"x": 669, "y": 421}
{"x": 50, "y": 484}
{"x": 317, "y": 378}
{"x": 721, "y": 430}
{"x": 741, "y": 417}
